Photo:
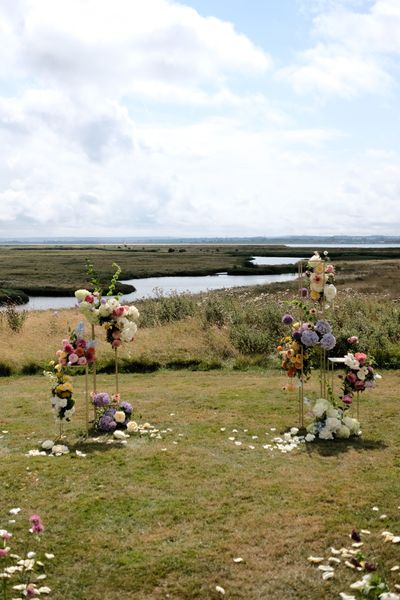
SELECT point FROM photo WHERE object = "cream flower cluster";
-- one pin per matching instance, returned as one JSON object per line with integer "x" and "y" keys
{"x": 331, "y": 422}
{"x": 119, "y": 318}
{"x": 321, "y": 279}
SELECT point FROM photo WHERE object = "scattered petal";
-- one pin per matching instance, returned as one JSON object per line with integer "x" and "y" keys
{"x": 223, "y": 429}
{"x": 220, "y": 590}
{"x": 383, "y": 517}
{"x": 375, "y": 508}
{"x": 14, "y": 511}
{"x": 325, "y": 568}
{"x": 395, "y": 568}
{"x": 238, "y": 560}
{"x": 328, "y": 575}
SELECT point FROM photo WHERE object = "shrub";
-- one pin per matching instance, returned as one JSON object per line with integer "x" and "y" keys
{"x": 15, "y": 319}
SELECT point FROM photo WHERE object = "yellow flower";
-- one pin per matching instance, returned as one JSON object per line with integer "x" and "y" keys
{"x": 314, "y": 295}
{"x": 319, "y": 268}
{"x": 296, "y": 325}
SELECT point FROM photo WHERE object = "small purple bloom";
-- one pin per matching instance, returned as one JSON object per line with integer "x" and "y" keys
{"x": 303, "y": 292}
{"x": 110, "y": 412}
{"x": 287, "y": 319}
{"x": 107, "y": 423}
{"x": 126, "y": 407}
{"x": 309, "y": 338}
{"x": 328, "y": 341}
{"x": 101, "y": 399}
{"x": 296, "y": 335}
{"x": 323, "y": 327}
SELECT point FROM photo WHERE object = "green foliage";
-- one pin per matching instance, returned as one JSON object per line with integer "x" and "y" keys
{"x": 93, "y": 277}
{"x": 166, "y": 309}
{"x": 114, "y": 280}
{"x": 15, "y": 319}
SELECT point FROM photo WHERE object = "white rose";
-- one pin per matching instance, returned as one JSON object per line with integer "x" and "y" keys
{"x": 133, "y": 313}
{"x": 120, "y": 416}
{"x": 132, "y": 426}
{"x": 314, "y": 260}
{"x": 333, "y": 424}
{"x": 350, "y": 361}
{"x": 310, "y": 437}
{"x": 320, "y": 407}
{"x": 105, "y": 310}
{"x": 326, "y": 434}
{"x": 330, "y": 292}
{"x": 80, "y": 295}
{"x": 120, "y": 435}
{"x": 343, "y": 432}
{"x": 332, "y": 412}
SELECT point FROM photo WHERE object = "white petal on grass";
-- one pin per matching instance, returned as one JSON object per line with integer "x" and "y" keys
{"x": 365, "y": 531}
{"x": 334, "y": 551}
{"x": 14, "y": 511}
{"x": 251, "y": 447}
{"x": 346, "y": 596}
{"x": 49, "y": 556}
{"x": 333, "y": 559}
{"x": 237, "y": 443}
{"x": 326, "y": 568}
{"x": 79, "y": 453}
{"x": 349, "y": 564}
{"x": 396, "y": 539}
{"x": 220, "y": 590}
{"x": 358, "y": 544}
{"x": 234, "y": 431}
{"x": 223, "y": 429}
{"x": 231, "y": 439}
{"x": 375, "y": 508}
{"x": 239, "y": 559}
{"x": 383, "y": 517}
{"x": 328, "y": 575}
{"x": 395, "y": 568}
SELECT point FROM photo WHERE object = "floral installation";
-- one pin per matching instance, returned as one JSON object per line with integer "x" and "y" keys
{"x": 354, "y": 558}
{"x": 321, "y": 278}
{"x": 119, "y": 320}
{"x": 77, "y": 351}
{"x": 331, "y": 422}
{"x": 298, "y": 348}
{"x": 62, "y": 403}
{"x": 112, "y": 413}
{"x": 359, "y": 373}
{"x": 23, "y": 576}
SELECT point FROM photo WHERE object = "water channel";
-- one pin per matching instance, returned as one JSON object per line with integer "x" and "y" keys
{"x": 151, "y": 286}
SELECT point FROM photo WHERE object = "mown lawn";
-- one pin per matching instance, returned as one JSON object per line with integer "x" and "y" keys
{"x": 157, "y": 519}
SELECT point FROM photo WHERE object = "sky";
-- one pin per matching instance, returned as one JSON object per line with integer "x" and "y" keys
{"x": 205, "y": 118}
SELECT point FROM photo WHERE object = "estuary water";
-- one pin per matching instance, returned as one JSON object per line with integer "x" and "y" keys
{"x": 152, "y": 286}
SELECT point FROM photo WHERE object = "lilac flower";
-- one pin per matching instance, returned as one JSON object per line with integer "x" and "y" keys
{"x": 110, "y": 412}
{"x": 107, "y": 423}
{"x": 101, "y": 399}
{"x": 303, "y": 292}
{"x": 287, "y": 319}
{"x": 309, "y": 338}
{"x": 296, "y": 335}
{"x": 328, "y": 341}
{"x": 126, "y": 407}
{"x": 323, "y": 327}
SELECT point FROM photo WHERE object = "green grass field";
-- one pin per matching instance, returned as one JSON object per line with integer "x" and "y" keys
{"x": 140, "y": 522}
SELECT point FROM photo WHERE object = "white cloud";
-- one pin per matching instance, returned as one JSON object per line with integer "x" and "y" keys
{"x": 354, "y": 53}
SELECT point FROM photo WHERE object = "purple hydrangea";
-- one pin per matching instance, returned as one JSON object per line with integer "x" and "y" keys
{"x": 328, "y": 341}
{"x": 287, "y": 319}
{"x": 309, "y": 337}
{"x": 107, "y": 423}
{"x": 110, "y": 412}
{"x": 126, "y": 407}
{"x": 323, "y": 327}
{"x": 101, "y": 399}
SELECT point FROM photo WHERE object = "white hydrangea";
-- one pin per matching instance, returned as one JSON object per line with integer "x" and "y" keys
{"x": 321, "y": 406}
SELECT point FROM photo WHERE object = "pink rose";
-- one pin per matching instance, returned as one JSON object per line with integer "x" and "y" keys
{"x": 353, "y": 339}
{"x": 361, "y": 357}
{"x": 116, "y": 343}
{"x": 347, "y": 399}
{"x": 82, "y": 361}
{"x": 73, "y": 358}
{"x": 329, "y": 269}
{"x": 116, "y": 334}
{"x": 4, "y": 552}
{"x": 68, "y": 347}
{"x": 89, "y": 298}
{"x": 119, "y": 311}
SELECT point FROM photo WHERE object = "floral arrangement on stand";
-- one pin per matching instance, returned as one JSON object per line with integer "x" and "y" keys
{"x": 321, "y": 278}
{"x": 62, "y": 402}
{"x": 359, "y": 375}
{"x": 119, "y": 320}
{"x": 297, "y": 349}
{"x": 112, "y": 414}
